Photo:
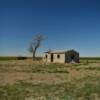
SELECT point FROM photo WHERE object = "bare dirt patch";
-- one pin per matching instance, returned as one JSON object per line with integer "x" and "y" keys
{"x": 35, "y": 78}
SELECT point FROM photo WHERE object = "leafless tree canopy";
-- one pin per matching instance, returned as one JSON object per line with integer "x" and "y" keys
{"x": 36, "y": 43}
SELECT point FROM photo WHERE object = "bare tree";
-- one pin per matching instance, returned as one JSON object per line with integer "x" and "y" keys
{"x": 35, "y": 44}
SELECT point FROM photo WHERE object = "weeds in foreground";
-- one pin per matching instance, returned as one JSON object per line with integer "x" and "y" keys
{"x": 64, "y": 91}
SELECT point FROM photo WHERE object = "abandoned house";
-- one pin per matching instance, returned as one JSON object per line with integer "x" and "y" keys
{"x": 70, "y": 56}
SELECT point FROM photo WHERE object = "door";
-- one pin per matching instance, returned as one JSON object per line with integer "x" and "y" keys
{"x": 51, "y": 57}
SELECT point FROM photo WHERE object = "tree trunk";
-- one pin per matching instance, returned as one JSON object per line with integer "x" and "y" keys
{"x": 34, "y": 55}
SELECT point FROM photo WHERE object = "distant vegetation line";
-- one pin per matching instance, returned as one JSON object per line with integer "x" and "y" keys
{"x": 89, "y": 58}
{"x": 39, "y": 58}
{"x": 11, "y": 58}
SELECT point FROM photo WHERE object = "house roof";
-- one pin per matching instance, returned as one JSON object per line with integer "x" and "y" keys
{"x": 57, "y": 51}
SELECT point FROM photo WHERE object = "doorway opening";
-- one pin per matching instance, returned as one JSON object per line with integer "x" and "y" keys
{"x": 51, "y": 57}
{"x": 72, "y": 59}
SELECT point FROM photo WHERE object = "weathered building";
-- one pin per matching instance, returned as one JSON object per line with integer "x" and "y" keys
{"x": 70, "y": 56}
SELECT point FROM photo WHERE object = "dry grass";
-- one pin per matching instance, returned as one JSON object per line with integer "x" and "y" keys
{"x": 40, "y": 81}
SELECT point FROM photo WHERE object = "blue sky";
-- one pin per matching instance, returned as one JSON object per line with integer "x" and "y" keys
{"x": 67, "y": 24}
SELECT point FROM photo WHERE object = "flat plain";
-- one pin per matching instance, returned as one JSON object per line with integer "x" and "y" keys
{"x": 36, "y": 80}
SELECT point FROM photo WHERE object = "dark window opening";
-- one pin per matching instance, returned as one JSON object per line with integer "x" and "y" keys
{"x": 58, "y": 56}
